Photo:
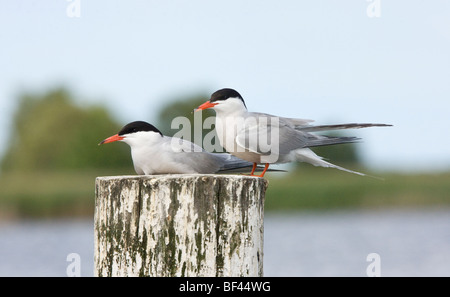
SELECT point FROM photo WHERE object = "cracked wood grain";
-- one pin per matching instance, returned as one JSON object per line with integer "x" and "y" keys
{"x": 179, "y": 225}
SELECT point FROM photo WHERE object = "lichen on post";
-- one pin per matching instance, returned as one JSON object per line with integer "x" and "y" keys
{"x": 179, "y": 225}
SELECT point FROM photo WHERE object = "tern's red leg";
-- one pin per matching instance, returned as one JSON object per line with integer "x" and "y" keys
{"x": 264, "y": 171}
{"x": 253, "y": 169}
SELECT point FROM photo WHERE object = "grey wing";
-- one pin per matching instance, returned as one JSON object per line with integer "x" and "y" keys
{"x": 230, "y": 162}
{"x": 309, "y": 128}
{"x": 320, "y": 140}
{"x": 206, "y": 162}
{"x": 305, "y": 126}
{"x": 280, "y": 136}
{"x": 266, "y": 134}
{"x": 293, "y": 122}
{"x": 194, "y": 157}
{"x": 298, "y": 123}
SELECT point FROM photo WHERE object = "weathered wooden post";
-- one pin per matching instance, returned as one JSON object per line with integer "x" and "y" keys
{"x": 179, "y": 225}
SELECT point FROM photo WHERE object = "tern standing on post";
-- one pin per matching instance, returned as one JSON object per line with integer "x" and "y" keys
{"x": 267, "y": 139}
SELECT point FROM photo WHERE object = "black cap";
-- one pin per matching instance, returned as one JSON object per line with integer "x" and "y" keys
{"x": 138, "y": 126}
{"x": 224, "y": 94}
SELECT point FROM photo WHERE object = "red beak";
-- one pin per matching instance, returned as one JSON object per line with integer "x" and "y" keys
{"x": 205, "y": 105}
{"x": 112, "y": 139}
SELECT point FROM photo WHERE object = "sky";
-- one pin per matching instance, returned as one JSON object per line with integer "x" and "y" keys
{"x": 331, "y": 61}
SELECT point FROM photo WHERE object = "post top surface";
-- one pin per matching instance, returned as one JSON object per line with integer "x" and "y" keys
{"x": 178, "y": 176}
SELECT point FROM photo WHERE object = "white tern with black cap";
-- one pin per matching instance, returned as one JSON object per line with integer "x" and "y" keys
{"x": 154, "y": 153}
{"x": 262, "y": 138}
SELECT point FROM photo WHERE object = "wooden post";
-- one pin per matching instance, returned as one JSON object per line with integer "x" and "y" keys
{"x": 179, "y": 225}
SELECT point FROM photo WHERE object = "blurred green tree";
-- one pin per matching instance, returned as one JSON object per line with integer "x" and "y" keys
{"x": 50, "y": 132}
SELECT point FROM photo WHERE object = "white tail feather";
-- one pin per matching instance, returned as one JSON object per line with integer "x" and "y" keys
{"x": 308, "y": 156}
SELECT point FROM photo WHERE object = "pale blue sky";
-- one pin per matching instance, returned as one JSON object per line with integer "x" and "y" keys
{"x": 323, "y": 60}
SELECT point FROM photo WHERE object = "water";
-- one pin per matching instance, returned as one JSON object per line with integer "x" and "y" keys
{"x": 409, "y": 243}
{"x": 40, "y": 248}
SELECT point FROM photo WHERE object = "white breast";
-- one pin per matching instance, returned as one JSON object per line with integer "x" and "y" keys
{"x": 227, "y": 129}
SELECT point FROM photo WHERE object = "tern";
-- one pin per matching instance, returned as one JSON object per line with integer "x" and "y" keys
{"x": 154, "y": 153}
{"x": 262, "y": 138}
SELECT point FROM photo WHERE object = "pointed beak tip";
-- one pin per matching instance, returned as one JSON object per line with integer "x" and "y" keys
{"x": 112, "y": 139}
{"x": 206, "y": 105}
